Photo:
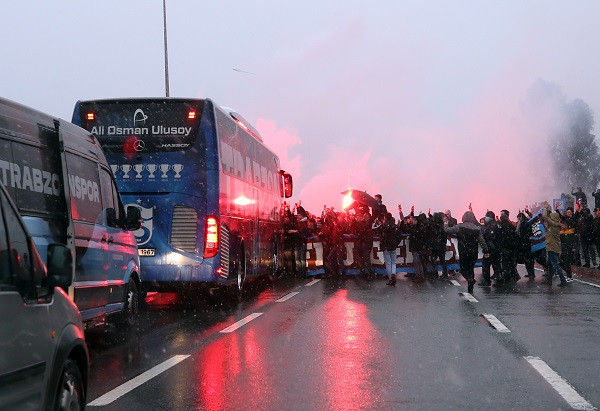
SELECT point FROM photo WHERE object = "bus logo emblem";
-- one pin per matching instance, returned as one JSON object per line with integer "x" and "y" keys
{"x": 139, "y": 145}
{"x": 144, "y": 234}
{"x": 139, "y": 118}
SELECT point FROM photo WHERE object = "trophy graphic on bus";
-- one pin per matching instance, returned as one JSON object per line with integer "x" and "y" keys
{"x": 138, "y": 169}
{"x": 177, "y": 168}
{"x": 151, "y": 168}
{"x": 126, "y": 169}
{"x": 164, "y": 168}
{"x": 114, "y": 169}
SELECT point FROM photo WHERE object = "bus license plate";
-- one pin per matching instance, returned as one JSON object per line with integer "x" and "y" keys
{"x": 146, "y": 252}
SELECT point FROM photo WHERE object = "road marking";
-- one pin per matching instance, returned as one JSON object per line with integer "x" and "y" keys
{"x": 494, "y": 322}
{"x": 585, "y": 282}
{"x": 561, "y": 386}
{"x": 456, "y": 283}
{"x": 287, "y": 297}
{"x": 146, "y": 376}
{"x": 241, "y": 323}
{"x": 469, "y": 297}
{"x": 313, "y": 282}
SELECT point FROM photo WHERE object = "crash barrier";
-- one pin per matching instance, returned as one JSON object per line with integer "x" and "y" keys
{"x": 315, "y": 257}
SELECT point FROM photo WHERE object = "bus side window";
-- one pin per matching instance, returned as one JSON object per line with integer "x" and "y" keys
{"x": 111, "y": 206}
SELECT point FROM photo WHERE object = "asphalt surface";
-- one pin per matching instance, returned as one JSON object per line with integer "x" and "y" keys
{"x": 357, "y": 344}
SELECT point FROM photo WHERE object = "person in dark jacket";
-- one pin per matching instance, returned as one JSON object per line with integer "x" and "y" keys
{"x": 492, "y": 258}
{"x": 440, "y": 239}
{"x": 580, "y": 195}
{"x": 418, "y": 245}
{"x": 290, "y": 239}
{"x": 568, "y": 242}
{"x": 469, "y": 238}
{"x": 365, "y": 241}
{"x": 507, "y": 241}
{"x": 389, "y": 239}
{"x": 585, "y": 227}
{"x": 524, "y": 234}
{"x": 596, "y": 195}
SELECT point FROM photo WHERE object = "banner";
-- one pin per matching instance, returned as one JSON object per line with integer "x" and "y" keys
{"x": 538, "y": 239}
{"x": 315, "y": 256}
{"x": 560, "y": 204}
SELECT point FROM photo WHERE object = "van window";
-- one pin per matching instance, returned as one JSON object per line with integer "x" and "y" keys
{"x": 19, "y": 253}
{"x": 4, "y": 262}
{"x": 110, "y": 199}
{"x": 84, "y": 186}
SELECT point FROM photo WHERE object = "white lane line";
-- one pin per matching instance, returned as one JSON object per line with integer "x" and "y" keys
{"x": 561, "y": 386}
{"x": 469, "y": 297}
{"x": 496, "y": 323}
{"x": 137, "y": 381}
{"x": 456, "y": 283}
{"x": 287, "y": 297}
{"x": 585, "y": 282}
{"x": 313, "y": 282}
{"x": 241, "y": 323}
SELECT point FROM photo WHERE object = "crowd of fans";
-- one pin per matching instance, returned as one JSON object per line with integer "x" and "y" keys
{"x": 572, "y": 238}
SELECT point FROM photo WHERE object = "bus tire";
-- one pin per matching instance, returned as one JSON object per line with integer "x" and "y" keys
{"x": 275, "y": 272}
{"x": 129, "y": 317}
{"x": 238, "y": 268}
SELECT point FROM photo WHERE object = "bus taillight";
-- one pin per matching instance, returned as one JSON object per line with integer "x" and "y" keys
{"x": 90, "y": 116}
{"x": 191, "y": 115}
{"x": 211, "y": 245}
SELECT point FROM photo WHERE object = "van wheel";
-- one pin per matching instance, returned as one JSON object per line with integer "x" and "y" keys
{"x": 131, "y": 310}
{"x": 70, "y": 395}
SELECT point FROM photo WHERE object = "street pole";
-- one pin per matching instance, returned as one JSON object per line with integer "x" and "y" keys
{"x": 166, "y": 53}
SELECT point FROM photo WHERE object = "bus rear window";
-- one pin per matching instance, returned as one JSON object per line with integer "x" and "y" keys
{"x": 134, "y": 126}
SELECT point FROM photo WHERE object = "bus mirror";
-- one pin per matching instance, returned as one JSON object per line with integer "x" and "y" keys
{"x": 60, "y": 265}
{"x": 111, "y": 217}
{"x": 288, "y": 185}
{"x": 134, "y": 218}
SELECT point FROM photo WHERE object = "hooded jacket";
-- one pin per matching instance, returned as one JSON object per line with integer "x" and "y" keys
{"x": 469, "y": 237}
{"x": 552, "y": 224}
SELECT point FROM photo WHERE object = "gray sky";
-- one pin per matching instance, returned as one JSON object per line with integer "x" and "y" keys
{"x": 420, "y": 101}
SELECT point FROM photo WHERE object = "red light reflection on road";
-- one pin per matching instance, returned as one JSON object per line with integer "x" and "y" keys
{"x": 232, "y": 373}
{"x": 350, "y": 345}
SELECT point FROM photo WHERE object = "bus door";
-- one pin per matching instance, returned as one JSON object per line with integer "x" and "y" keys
{"x": 255, "y": 232}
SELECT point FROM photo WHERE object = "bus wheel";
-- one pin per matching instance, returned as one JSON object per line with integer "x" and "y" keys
{"x": 276, "y": 272}
{"x": 131, "y": 310}
{"x": 238, "y": 268}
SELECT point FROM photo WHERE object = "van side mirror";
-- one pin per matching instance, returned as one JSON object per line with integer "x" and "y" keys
{"x": 60, "y": 266}
{"x": 134, "y": 218}
{"x": 288, "y": 185}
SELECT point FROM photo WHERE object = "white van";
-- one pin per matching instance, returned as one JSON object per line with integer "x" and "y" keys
{"x": 43, "y": 356}
{"x": 58, "y": 177}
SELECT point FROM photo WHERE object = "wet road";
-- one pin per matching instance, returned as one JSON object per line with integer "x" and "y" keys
{"x": 357, "y": 344}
